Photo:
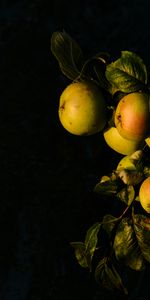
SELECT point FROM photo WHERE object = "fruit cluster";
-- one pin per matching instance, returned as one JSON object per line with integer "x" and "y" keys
{"x": 111, "y": 98}
{"x": 83, "y": 111}
{"x": 117, "y": 105}
{"x": 132, "y": 123}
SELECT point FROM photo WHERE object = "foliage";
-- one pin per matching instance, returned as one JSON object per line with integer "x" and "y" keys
{"x": 128, "y": 235}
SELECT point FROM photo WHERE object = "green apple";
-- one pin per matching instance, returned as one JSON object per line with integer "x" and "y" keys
{"x": 126, "y": 163}
{"x": 82, "y": 108}
{"x": 132, "y": 116}
{"x": 129, "y": 162}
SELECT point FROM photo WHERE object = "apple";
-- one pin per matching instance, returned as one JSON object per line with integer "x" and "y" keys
{"x": 128, "y": 169}
{"x": 132, "y": 116}
{"x": 119, "y": 143}
{"x": 82, "y": 108}
{"x": 126, "y": 163}
{"x": 129, "y": 162}
{"x": 144, "y": 194}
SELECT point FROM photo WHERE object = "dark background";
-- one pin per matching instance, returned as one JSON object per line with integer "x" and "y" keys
{"x": 47, "y": 175}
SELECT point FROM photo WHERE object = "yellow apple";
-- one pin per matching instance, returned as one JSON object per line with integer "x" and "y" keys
{"x": 132, "y": 116}
{"x": 82, "y": 108}
{"x": 119, "y": 143}
{"x": 126, "y": 163}
{"x": 144, "y": 194}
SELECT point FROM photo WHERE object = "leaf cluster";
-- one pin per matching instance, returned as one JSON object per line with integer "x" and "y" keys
{"x": 126, "y": 74}
{"x": 128, "y": 235}
{"x": 129, "y": 243}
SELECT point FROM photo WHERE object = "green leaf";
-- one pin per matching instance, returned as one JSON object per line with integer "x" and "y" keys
{"x": 127, "y": 194}
{"x": 68, "y": 54}
{"x": 109, "y": 223}
{"x": 126, "y": 247}
{"x": 127, "y": 74}
{"x": 84, "y": 251}
{"x": 107, "y": 276}
{"x": 91, "y": 242}
{"x": 142, "y": 231}
{"x": 108, "y": 187}
{"x": 80, "y": 253}
{"x": 137, "y": 198}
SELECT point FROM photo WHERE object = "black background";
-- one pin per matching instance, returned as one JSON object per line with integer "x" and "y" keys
{"x": 47, "y": 175}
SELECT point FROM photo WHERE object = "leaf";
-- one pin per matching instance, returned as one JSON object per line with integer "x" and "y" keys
{"x": 109, "y": 223}
{"x": 146, "y": 171}
{"x": 108, "y": 187}
{"x": 91, "y": 242}
{"x": 142, "y": 231}
{"x": 107, "y": 276}
{"x": 126, "y": 247}
{"x": 130, "y": 177}
{"x": 137, "y": 155}
{"x": 127, "y": 194}
{"x": 68, "y": 54}
{"x": 84, "y": 251}
{"x": 80, "y": 253}
{"x": 104, "y": 178}
{"x": 127, "y": 74}
{"x": 137, "y": 198}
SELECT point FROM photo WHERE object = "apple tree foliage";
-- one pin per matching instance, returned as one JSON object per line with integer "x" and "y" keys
{"x": 127, "y": 235}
